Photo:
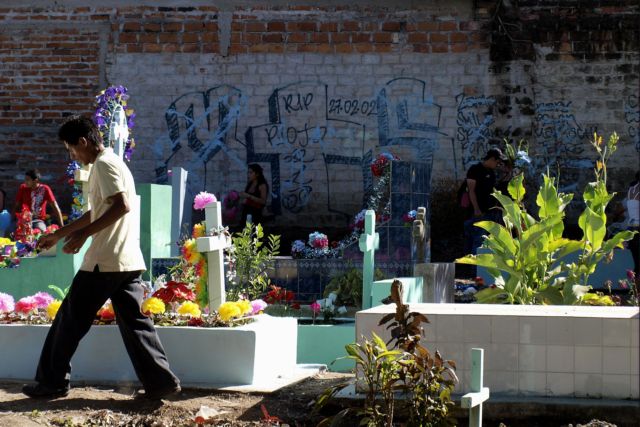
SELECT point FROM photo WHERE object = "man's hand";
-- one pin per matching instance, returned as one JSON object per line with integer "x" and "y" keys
{"x": 74, "y": 242}
{"x": 45, "y": 242}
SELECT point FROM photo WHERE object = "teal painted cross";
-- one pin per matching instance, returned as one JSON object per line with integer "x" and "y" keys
{"x": 369, "y": 242}
{"x": 473, "y": 401}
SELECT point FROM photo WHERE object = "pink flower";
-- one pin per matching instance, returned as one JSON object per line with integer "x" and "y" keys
{"x": 6, "y": 303}
{"x": 203, "y": 199}
{"x": 315, "y": 307}
{"x": 26, "y": 305}
{"x": 258, "y": 305}
{"x": 43, "y": 299}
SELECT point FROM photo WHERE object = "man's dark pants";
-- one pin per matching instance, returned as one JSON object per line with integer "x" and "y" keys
{"x": 87, "y": 294}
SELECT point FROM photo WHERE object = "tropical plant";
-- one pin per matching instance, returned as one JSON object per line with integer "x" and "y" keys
{"x": 348, "y": 287}
{"x": 62, "y": 293}
{"x": 526, "y": 256}
{"x": 249, "y": 260}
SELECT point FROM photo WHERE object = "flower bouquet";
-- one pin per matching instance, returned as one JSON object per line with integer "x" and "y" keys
{"x": 107, "y": 102}
{"x": 381, "y": 163}
{"x": 409, "y": 217}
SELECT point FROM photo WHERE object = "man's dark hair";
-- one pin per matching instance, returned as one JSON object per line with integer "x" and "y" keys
{"x": 495, "y": 153}
{"x": 76, "y": 127}
{"x": 34, "y": 174}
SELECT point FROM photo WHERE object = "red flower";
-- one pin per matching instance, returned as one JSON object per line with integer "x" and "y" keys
{"x": 479, "y": 281}
{"x": 295, "y": 306}
{"x": 175, "y": 291}
{"x": 195, "y": 321}
{"x": 278, "y": 295}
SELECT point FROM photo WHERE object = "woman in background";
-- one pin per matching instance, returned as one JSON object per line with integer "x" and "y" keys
{"x": 254, "y": 195}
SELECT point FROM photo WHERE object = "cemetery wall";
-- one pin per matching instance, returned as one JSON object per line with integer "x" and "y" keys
{"x": 313, "y": 90}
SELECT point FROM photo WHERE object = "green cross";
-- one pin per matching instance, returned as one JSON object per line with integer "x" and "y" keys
{"x": 369, "y": 242}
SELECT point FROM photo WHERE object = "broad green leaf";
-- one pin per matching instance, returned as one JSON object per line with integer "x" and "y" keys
{"x": 593, "y": 226}
{"x": 547, "y": 198}
{"x": 516, "y": 188}
{"x": 551, "y": 294}
{"x": 511, "y": 210}
{"x": 501, "y": 235}
{"x": 617, "y": 239}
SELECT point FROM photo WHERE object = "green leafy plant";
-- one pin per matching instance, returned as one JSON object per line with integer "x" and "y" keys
{"x": 348, "y": 287}
{"x": 249, "y": 261}
{"x": 406, "y": 367}
{"x": 526, "y": 256}
{"x": 62, "y": 293}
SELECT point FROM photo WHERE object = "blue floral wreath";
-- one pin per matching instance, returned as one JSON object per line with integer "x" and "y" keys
{"x": 107, "y": 102}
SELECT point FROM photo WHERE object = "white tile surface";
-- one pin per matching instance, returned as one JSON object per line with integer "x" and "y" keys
{"x": 616, "y": 332}
{"x": 587, "y": 331}
{"x": 635, "y": 386}
{"x": 450, "y": 330}
{"x": 616, "y": 360}
{"x": 505, "y": 329}
{"x": 560, "y": 358}
{"x": 502, "y": 382}
{"x": 477, "y": 328}
{"x": 559, "y": 384}
{"x": 588, "y": 359}
{"x": 532, "y": 383}
{"x": 635, "y": 333}
{"x": 616, "y": 386}
{"x": 532, "y": 357}
{"x": 588, "y": 385}
{"x": 533, "y": 330}
{"x": 635, "y": 362}
{"x": 503, "y": 357}
{"x": 559, "y": 331}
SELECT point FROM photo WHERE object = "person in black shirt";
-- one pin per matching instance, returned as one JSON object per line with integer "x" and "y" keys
{"x": 254, "y": 197}
{"x": 481, "y": 180}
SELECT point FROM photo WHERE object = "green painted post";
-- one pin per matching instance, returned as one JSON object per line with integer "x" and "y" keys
{"x": 473, "y": 401}
{"x": 369, "y": 242}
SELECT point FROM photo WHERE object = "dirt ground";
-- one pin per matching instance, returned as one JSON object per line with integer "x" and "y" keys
{"x": 109, "y": 406}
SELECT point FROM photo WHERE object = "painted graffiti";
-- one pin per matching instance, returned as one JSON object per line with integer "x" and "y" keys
{"x": 632, "y": 119}
{"x": 475, "y": 122}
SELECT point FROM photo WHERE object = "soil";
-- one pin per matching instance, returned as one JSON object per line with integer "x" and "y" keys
{"x": 109, "y": 406}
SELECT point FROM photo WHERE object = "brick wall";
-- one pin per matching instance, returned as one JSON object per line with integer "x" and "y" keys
{"x": 313, "y": 92}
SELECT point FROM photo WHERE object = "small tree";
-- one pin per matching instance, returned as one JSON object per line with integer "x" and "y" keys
{"x": 249, "y": 260}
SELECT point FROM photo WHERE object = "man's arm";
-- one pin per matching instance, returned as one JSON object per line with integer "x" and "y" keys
{"x": 45, "y": 242}
{"x": 471, "y": 186}
{"x": 56, "y": 210}
{"x": 119, "y": 207}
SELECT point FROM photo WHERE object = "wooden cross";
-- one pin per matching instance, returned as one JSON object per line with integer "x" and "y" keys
{"x": 369, "y": 242}
{"x": 213, "y": 247}
{"x": 473, "y": 401}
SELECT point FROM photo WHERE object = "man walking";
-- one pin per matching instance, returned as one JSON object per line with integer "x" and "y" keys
{"x": 111, "y": 269}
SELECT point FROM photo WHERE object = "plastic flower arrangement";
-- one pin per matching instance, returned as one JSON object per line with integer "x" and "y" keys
{"x": 358, "y": 221}
{"x": 106, "y": 313}
{"x": 190, "y": 309}
{"x": 52, "y": 308}
{"x": 298, "y": 248}
{"x": 202, "y": 199}
{"x": 174, "y": 292}
{"x": 78, "y": 199}
{"x": 409, "y": 217}
{"x": 7, "y": 303}
{"x": 328, "y": 308}
{"x": 258, "y": 306}
{"x": 381, "y": 163}
{"x": 153, "y": 305}
{"x": 106, "y": 104}
{"x": 318, "y": 240}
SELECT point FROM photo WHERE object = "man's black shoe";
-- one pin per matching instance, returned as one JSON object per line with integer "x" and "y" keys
{"x": 40, "y": 390}
{"x": 160, "y": 393}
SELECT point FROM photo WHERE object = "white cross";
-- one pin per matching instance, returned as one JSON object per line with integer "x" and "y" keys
{"x": 369, "y": 242}
{"x": 213, "y": 247}
{"x": 473, "y": 401}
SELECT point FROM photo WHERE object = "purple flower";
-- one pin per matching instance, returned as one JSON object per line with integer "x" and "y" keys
{"x": 258, "y": 305}
{"x": 631, "y": 275}
{"x": 7, "y": 304}
{"x": 43, "y": 299}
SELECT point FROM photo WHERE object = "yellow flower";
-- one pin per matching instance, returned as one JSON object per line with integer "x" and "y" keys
{"x": 599, "y": 165}
{"x": 190, "y": 251}
{"x": 198, "y": 230}
{"x": 244, "y": 306}
{"x": 189, "y": 308}
{"x": 153, "y": 305}
{"x": 4, "y": 241}
{"x": 229, "y": 310}
{"x": 52, "y": 308}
